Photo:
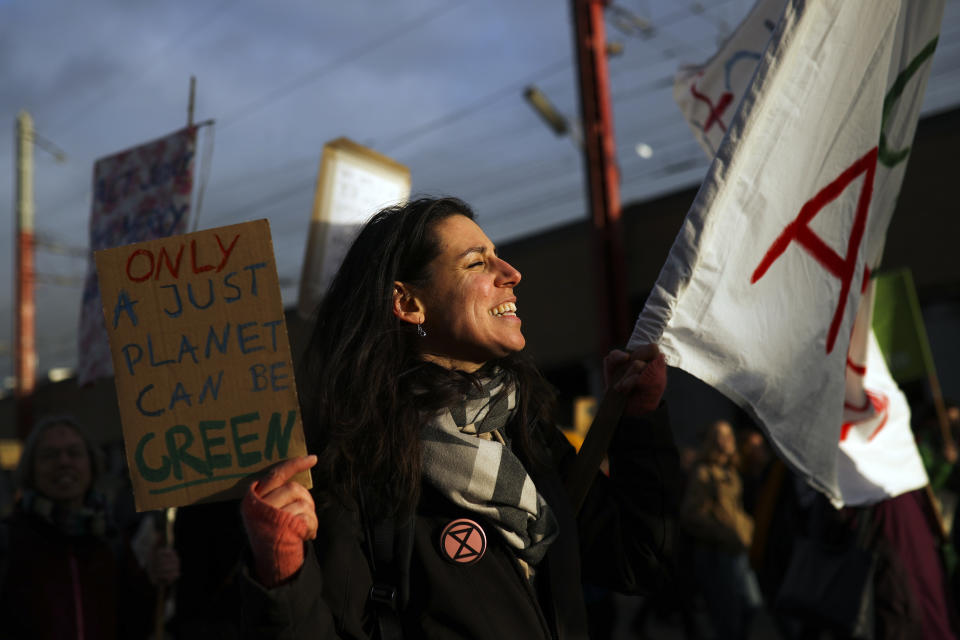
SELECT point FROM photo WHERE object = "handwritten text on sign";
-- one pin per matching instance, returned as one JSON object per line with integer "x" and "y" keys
{"x": 202, "y": 362}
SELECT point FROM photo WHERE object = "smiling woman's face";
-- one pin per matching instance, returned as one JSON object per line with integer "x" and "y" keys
{"x": 469, "y": 305}
{"x": 62, "y": 468}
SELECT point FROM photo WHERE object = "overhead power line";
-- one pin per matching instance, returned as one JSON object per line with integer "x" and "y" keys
{"x": 127, "y": 80}
{"x": 394, "y": 34}
{"x": 630, "y": 24}
{"x": 397, "y": 141}
{"x": 537, "y": 77}
{"x": 391, "y": 35}
{"x": 268, "y": 201}
{"x": 63, "y": 281}
{"x": 659, "y": 84}
{"x": 50, "y": 147}
{"x": 46, "y": 242}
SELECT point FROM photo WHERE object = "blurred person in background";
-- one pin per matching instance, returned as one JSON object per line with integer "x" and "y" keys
{"x": 712, "y": 515}
{"x": 65, "y": 572}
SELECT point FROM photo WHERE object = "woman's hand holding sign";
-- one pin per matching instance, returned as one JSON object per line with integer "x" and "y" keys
{"x": 279, "y": 516}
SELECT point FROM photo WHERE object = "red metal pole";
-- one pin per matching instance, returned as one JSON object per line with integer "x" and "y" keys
{"x": 603, "y": 176}
{"x": 24, "y": 349}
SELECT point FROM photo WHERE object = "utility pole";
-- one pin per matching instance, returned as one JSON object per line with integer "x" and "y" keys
{"x": 191, "y": 100}
{"x": 603, "y": 176}
{"x": 25, "y": 358}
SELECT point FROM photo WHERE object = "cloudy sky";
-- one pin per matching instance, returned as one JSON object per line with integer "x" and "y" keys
{"x": 435, "y": 84}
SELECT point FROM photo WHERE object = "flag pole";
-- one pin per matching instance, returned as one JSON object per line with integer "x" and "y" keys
{"x": 949, "y": 442}
{"x": 594, "y": 448}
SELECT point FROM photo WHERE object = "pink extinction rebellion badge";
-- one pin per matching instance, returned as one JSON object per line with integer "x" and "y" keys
{"x": 463, "y": 541}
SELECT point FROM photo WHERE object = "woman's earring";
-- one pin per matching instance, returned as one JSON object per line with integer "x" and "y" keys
{"x": 421, "y": 331}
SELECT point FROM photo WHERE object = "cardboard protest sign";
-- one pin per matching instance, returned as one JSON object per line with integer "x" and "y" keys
{"x": 202, "y": 363}
{"x": 354, "y": 182}
{"x": 138, "y": 194}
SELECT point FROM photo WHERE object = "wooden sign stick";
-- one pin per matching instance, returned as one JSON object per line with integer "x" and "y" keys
{"x": 166, "y": 517}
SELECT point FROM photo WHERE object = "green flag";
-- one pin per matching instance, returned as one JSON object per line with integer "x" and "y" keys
{"x": 899, "y": 327}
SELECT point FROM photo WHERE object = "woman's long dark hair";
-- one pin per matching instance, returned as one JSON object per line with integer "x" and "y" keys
{"x": 363, "y": 386}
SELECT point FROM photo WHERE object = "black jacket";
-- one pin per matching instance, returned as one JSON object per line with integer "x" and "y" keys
{"x": 52, "y": 584}
{"x": 620, "y": 541}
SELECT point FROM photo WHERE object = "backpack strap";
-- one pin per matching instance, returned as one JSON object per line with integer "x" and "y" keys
{"x": 384, "y": 592}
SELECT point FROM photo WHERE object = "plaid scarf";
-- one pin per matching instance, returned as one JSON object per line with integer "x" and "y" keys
{"x": 90, "y": 519}
{"x": 483, "y": 475}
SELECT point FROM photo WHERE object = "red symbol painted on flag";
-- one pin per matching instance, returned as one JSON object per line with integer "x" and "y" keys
{"x": 858, "y": 369}
{"x": 463, "y": 541}
{"x": 799, "y": 231}
{"x": 881, "y": 405}
{"x": 715, "y": 111}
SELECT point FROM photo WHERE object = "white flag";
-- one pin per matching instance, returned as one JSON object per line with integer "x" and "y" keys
{"x": 761, "y": 289}
{"x": 874, "y": 466}
{"x": 708, "y": 94}
{"x": 878, "y": 455}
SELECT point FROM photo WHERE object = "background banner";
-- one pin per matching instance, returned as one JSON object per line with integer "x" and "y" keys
{"x": 353, "y": 183}
{"x": 899, "y": 327}
{"x": 138, "y": 194}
